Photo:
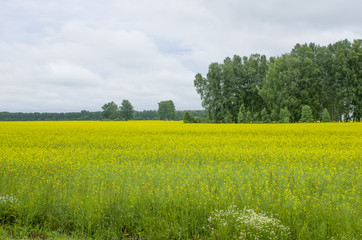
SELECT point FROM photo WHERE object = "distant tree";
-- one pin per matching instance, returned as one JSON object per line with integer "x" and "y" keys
{"x": 85, "y": 115}
{"x": 166, "y": 110}
{"x": 126, "y": 110}
{"x": 307, "y": 115}
{"x": 265, "y": 118}
{"x": 284, "y": 115}
{"x": 188, "y": 118}
{"x": 146, "y": 115}
{"x": 110, "y": 110}
{"x": 326, "y": 117}
{"x": 242, "y": 114}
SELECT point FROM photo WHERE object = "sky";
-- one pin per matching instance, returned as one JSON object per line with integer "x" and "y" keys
{"x": 73, "y": 55}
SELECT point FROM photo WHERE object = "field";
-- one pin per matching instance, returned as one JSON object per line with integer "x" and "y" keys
{"x": 169, "y": 180}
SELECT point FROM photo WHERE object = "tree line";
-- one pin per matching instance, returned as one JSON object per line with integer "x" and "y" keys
{"x": 110, "y": 111}
{"x": 166, "y": 111}
{"x": 321, "y": 81}
{"x": 85, "y": 115}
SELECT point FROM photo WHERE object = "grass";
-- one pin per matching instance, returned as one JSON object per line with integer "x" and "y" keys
{"x": 164, "y": 180}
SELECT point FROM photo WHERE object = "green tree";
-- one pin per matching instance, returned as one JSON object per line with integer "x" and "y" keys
{"x": 231, "y": 83}
{"x": 248, "y": 117}
{"x": 284, "y": 115}
{"x": 274, "y": 115}
{"x": 110, "y": 110}
{"x": 126, "y": 110}
{"x": 242, "y": 114}
{"x": 228, "y": 118}
{"x": 265, "y": 118}
{"x": 166, "y": 110}
{"x": 326, "y": 117}
{"x": 280, "y": 89}
{"x": 307, "y": 115}
{"x": 355, "y": 63}
{"x": 188, "y": 118}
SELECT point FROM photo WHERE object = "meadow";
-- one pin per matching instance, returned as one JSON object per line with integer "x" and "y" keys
{"x": 170, "y": 180}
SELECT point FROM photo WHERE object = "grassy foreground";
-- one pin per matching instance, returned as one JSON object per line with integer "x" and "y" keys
{"x": 169, "y": 180}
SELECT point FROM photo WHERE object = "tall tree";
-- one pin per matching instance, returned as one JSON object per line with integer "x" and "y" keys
{"x": 166, "y": 110}
{"x": 229, "y": 85}
{"x": 126, "y": 110}
{"x": 355, "y": 63}
{"x": 110, "y": 110}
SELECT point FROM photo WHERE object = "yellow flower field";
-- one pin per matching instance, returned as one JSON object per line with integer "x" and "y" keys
{"x": 163, "y": 180}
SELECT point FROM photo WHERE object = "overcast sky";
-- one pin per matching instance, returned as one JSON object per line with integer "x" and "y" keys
{"x": 70, "y": 55}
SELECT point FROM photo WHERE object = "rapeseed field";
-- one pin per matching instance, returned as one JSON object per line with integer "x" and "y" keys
{"x": 170, "y": 180}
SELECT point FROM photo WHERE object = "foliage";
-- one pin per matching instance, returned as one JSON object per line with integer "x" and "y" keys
{"x": 110, "y": 110}
{"x": 69, "y": 116}
{"x": 265, "y": 118}
{"x": 242, "y": 114}
{"x": 326, "y": 117}
{"x": 248, "y": 117}
{"x": 274, "y": 116}
{"x": 126, "y": 110}
{"x": 146, "y": 115}
{"x": 284, "y": 115}
{"x": 188, "y": 118}
{"x": 230, "y": 84}
{"x": 166, "y": 110}
{"x": 163, "y": 180}
{"x": 307, "y": 115}
{"x": 317, "y": 76}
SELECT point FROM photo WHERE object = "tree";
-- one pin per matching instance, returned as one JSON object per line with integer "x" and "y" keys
{"x": 228, "y": 85}
{"x": 242, "y": 114}
{"x": 166, "y": 110}
{"x": 228, "y": 118}
{"x": 188, "y": 118}
{"x": 326, "y": 117}
{"x": 307, "y": 115}
{"x": 126, "y": 110}
{"x": 274, "y": 115}
{"x": 110, "y": 110}
{"x": 265, "y": 118}
{"x": 248, "y": 117}
{"x": 284, "y": 115}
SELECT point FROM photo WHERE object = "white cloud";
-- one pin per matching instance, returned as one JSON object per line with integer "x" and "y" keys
{"x": 74, "y": 55}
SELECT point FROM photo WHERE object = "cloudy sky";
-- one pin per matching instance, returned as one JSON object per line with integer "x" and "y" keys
{"x": 70, "y": 55}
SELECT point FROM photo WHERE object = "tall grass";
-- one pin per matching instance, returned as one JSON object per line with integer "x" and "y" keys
{"x": 164, "y": 180}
